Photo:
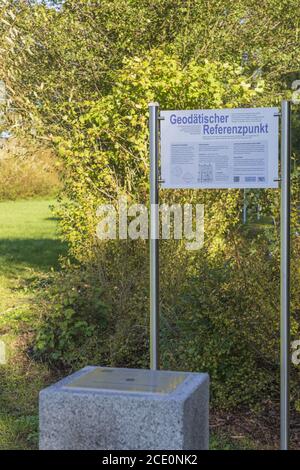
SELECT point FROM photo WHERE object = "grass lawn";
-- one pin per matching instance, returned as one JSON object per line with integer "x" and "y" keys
{"x": 28, "y": 238}
{"x": 29, "y": 248}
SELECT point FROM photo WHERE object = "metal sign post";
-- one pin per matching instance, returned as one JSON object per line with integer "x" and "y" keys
{"x": 285, "y": 275}
{"x": 154, "y": 237}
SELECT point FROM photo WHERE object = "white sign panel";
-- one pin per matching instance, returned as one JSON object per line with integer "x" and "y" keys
{"x": 223, "y": 148}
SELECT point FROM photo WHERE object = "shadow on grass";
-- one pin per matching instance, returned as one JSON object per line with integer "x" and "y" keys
{"x": 42, "y": 254}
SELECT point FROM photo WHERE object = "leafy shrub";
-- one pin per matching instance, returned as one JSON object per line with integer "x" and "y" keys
{"x": 218, "y": 314}
{"x": 77, "y": 315}
{"x": 220, "y": 305}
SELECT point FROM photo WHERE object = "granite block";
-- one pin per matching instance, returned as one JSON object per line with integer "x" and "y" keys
{"x": 125, "y": 409}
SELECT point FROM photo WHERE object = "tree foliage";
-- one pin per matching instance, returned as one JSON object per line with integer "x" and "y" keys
{"x": 52, "y": 56}
{"x": 106, "y": 152}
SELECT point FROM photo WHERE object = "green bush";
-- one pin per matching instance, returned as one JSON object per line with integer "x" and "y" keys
{"x": 78, "y": 317}
{"x": 218, "y": 314}
{"x": 220, "y": 305}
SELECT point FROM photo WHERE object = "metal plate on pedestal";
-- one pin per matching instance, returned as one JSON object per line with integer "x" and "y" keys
{"x": 129, "y": 380}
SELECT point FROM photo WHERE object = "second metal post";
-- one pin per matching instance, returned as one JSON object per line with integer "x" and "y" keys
{"x": 285, "y": 276}
{"x": 154, "y": 236}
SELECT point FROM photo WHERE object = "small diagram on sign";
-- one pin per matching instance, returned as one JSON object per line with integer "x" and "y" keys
{"x": 205, "y": 174}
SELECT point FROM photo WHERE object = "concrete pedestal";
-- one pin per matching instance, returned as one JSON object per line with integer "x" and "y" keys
{"x": 127, "y": 409}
